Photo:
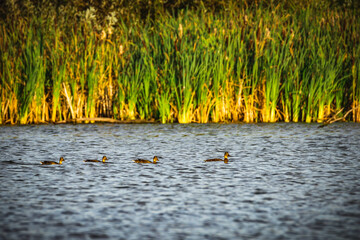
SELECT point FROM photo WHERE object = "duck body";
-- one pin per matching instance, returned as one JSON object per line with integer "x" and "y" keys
{"x": 154, "y": 161}
{"x": 214, "y": 160}
{"x": 92, "y": 161}
{"x": 142, "y": 161}
{"x": 52, "y": 162}
{"x": 103, "y": 160}
{"x": 225, "y": 160}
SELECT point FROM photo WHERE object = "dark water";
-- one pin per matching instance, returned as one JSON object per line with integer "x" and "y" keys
{"x": 283, "y": 181}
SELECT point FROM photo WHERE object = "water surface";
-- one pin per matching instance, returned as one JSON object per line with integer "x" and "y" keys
{"x": 283, "y": 181}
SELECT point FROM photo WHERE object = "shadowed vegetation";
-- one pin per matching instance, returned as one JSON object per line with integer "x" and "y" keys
{"x": 179, "y": 61}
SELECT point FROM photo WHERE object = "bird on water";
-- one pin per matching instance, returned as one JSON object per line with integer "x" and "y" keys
{"x": 52, "y": 162}
{"x": 103, "y": 160}
{"x": 154, "y": 161}
{"x": 225, "y": 160}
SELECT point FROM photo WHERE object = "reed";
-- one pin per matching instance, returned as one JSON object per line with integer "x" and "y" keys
{"x": 243, "y": 61}
{"x": 58, "y": 71}
{"x": 32, "y": 86}
{"x": 355, "y": 71}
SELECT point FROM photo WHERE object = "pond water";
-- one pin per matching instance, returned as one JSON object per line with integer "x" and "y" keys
{"x": 283, "y": 181}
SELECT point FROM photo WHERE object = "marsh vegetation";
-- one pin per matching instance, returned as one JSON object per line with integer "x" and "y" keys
{"x": 174, "y": 61}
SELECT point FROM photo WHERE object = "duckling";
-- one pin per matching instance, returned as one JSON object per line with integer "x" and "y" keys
{"x": 155, "y": 159}
{"x": 103, "y": 160}
{"x": 225, "y": 160}
{"x": 52, "y": 162}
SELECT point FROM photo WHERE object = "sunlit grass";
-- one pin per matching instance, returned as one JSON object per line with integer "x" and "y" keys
{"x": 248, "y": 64}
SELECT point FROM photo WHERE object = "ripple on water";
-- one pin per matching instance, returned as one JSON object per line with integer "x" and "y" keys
{"x": 282, "y": 181}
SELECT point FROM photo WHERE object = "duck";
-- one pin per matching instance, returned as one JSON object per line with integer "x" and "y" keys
{"x": 103, "y": 160}
{"x": 155, "y": 159}
{"x": 225, "y": 160}
{"x": 52, "y": 162}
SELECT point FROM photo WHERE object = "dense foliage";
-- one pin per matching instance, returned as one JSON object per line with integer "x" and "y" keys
{"x": 179, "y": 61}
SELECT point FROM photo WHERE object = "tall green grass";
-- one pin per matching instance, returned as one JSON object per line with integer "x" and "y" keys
{"x": 247, "y": 62}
